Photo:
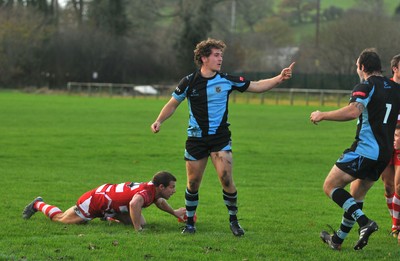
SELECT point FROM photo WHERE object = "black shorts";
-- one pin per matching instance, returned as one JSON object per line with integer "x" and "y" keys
{"x": 360, "y": 167}
{"x": 199, "y": 148}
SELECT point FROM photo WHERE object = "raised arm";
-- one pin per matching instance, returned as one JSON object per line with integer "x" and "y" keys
{"x": 350, "y": 112}
{"x": 165, "y": 113}
{"x": 268, "y": 84}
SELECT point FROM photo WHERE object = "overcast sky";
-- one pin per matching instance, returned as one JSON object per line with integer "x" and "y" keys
{"x": 62, "y": 2}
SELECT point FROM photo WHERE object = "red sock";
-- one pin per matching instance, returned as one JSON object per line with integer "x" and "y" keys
{"x": 48, "y": 210}
{"x": 389, "y": 202}
{"x": 396, "y": 211}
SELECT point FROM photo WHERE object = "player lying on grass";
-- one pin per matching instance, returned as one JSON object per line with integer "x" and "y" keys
{"x": 118, "y": 202}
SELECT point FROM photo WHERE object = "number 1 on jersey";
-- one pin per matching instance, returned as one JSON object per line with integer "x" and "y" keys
{"x": 388, "y": 109}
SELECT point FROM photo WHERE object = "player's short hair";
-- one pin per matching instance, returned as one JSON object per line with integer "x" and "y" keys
{"x": 395, "y": 62}
{"x": 163, "y": 177}
{"x": 370, "y": 59}
{"x": 203, "y": 49}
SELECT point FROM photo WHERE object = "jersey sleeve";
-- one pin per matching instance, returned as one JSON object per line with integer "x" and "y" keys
{"x": 361, "y": 93}
{"x": 147, "y": 195}
{"x": 238, "y": 83}
{"x": 180, "y": 91}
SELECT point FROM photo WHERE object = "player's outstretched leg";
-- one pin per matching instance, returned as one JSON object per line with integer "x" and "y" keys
{"x": 30, "y": 210}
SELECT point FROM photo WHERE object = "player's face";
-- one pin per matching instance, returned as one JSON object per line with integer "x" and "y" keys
{"x": 396, "y": 73}
{"x": 168, "y": 191}
{"x": 214, "y": 61}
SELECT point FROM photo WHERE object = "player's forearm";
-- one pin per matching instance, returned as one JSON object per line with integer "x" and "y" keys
{"x": 135, "y": 215}
{"x": 164, "y": 206}
{"x": 266, "y": 84}
{"x": 167, "y": 110}
{"x": 165, "y": 113}
{"x": 136, "y": 223}
{"x": 347, "y": 113}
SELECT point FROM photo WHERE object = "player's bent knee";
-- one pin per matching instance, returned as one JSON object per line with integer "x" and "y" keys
{"x": 327, "y": 189}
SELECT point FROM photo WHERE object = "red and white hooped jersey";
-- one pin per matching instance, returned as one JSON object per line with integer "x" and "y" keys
{"x": 114, "y": 198}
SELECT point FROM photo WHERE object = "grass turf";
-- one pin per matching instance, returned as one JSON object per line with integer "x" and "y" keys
{"x": 59, "y": 146}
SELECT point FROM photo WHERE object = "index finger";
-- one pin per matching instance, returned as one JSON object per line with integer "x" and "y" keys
{"x": 291, "y": 65}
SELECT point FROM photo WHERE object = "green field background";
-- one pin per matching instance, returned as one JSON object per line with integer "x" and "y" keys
{"x": 60, "y": 146}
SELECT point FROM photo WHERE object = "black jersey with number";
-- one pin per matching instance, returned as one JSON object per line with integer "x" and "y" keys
{"x": 376, "y": 125}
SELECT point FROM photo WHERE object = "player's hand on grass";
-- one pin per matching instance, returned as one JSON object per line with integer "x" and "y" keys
{"x": 111, "y": 220}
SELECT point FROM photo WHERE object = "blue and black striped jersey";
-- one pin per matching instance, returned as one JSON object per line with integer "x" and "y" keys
{"x": 208, "y": 101}
{"x": 376, "y": 125}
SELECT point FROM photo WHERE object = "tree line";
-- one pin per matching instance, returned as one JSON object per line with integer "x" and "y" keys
{"x": 51, "y": 42}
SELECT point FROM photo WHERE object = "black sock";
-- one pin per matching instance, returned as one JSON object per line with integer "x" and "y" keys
{"x": 191, "y": 202}
{"x": 230, "y": 200}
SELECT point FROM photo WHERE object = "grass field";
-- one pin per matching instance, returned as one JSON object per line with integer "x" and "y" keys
{"x": 59, "y": 146}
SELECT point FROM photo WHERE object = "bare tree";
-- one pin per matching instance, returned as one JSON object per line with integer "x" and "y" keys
{"x": 342, "y": 42}
{"x": 78, "y": 7}
{"x": 109, "y": 16}
{"x": 297, "y": 11}
{"x": 197, "y": 18}
{"x": 23, "y": 35}
{"x": 253, "y": 11}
